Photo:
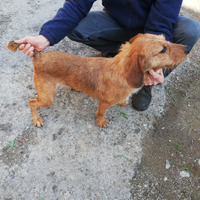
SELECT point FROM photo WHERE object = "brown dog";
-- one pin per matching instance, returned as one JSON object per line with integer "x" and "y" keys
{"x": 111, "y": 80}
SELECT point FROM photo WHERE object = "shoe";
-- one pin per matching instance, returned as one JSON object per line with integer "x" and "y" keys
{"x": 142, "y": 99}
{"x": 166, "y": 72}
{"x": 106, "y": 55}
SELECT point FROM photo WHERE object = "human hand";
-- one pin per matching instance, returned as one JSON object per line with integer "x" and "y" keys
{"x": 154, "y": 78}
{"x": 29, "y": 43}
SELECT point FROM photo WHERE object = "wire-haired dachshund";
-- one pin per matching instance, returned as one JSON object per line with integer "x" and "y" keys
{"x": 111, "y": 80}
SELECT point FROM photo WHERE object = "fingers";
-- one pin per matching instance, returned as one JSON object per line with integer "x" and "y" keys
{"x": 30, "y": 51}
{"x": 154, "y": 78}
{"x": 149, "y": 81}
{"x": 27, "y": 49}
{"x": 21, "y": 47}
{"x": 25, "y": 46}
{"x": 29, "y": 43}
{"x": 21, "y": 41}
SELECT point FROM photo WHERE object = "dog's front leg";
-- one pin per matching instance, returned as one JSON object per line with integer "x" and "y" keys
{"x": 103, "y": 106}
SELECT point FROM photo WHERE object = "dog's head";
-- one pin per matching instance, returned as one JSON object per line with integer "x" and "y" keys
{"x": 148, "y": 51}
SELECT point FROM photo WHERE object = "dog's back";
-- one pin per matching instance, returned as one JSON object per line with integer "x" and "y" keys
{"x": 69, "y": 70}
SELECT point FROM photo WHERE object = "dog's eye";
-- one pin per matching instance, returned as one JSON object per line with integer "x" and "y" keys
{"x": 164, "y": 50}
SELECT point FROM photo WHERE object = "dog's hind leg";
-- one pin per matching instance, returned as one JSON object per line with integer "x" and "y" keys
{"x": 46, "y": 93}
{"x": 103, "y": 106}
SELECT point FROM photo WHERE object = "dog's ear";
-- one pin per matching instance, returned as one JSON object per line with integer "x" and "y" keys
{"x": 132, "y": 39}
{"x": 135, "y": 74}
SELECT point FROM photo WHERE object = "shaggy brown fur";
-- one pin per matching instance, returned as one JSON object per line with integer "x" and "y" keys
{"x": 111, "y": 80}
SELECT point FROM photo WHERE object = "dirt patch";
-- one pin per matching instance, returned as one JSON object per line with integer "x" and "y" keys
{"x": 20, "y": 154}
{"x": 170, "y": 168}
{"x": 174, "y": 143}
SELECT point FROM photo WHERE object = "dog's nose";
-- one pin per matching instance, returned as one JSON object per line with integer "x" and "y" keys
{"x": 187, "y": 49}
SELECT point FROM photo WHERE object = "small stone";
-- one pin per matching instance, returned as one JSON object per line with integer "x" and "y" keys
{"x": 89, "y": 126}
{"x": 199, "y": 162}
{"x": 184, "y": 174}
{"x": 168, "y": 165}
{"x": 54, "y": 137}
{"x": 165, "y": 179}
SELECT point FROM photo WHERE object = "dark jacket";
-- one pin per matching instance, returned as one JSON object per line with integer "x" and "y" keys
{"x": 154, "y": 16}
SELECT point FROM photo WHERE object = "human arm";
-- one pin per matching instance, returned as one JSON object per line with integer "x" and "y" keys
{"x": 66, "y": 19}
{"x": 162, "y": 17}
{"x": 56, "y": 29}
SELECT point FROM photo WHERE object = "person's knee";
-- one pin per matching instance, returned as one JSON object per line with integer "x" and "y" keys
{"x": 85, "y": 30}
{"x": 74, "y": 35}
{"x": 192, "y": 30}
{"x": 71, "y": 36}
{"x": 188, "y": 31}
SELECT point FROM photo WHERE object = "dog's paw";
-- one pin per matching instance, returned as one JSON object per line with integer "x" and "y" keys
{"x": 124, "y": 104}
{"x": 102, "y": 122}
{"x": 38, "y": 122}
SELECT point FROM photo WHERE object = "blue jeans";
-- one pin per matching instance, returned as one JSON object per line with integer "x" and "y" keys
{"x": 100, "y": 31}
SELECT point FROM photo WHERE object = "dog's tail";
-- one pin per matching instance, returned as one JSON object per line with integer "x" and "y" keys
{"x": 12, "y": 46}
